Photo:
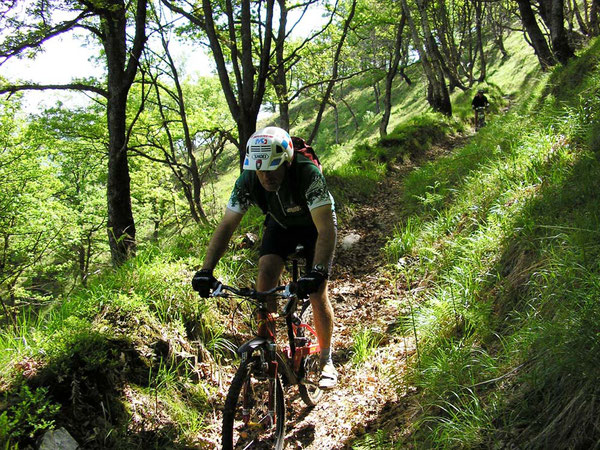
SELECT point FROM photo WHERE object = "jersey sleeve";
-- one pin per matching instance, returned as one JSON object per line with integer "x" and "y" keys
{"x": 240, "y": 199}
{"x": 315, "y": 188}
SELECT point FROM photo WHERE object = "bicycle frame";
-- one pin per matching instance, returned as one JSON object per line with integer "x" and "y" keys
{"x": 480, "y": 115}
{"x": 265, "y": 342}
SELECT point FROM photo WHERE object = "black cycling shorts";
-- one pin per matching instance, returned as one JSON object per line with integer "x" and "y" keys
{"x": 280, "y": 241}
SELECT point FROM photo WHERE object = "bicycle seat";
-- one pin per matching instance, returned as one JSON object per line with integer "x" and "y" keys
{"x": 299, "y": 253}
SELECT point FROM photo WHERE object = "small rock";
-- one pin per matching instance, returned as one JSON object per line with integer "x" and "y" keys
{"x": 249, "y": 240}
{"x": 350, "y": 241}
{"x": 58, "y": 440}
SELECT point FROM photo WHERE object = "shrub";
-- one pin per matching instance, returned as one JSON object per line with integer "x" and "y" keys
{"x": 29, "y": 413}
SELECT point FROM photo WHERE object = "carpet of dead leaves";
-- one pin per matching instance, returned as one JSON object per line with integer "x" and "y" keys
{"x": 370, "y": 396}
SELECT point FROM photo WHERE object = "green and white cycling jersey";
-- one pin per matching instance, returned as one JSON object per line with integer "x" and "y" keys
{"x": 302, "y": 190}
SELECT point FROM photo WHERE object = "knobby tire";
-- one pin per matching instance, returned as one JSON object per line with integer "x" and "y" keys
{"x": 311, "y": 371}
{"x": 258, "y": 433}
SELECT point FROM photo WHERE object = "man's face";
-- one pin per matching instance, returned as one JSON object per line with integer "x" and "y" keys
{"x": 271, "y": 179}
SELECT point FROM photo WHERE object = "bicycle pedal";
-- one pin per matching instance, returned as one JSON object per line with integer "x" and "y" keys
{"x": 301, "y": 341}
{"x": 307, "y": 382}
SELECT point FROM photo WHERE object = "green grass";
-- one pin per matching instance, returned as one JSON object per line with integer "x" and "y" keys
{"x": 504, "y": 235}
{"x": 365, "y": 345}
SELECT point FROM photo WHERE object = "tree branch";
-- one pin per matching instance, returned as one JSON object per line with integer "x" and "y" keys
{"x": 301, "y": 89}
{"x": 62, "y": 87}
{"x": 139, "y": 41}
{"x": 35, "y": 42}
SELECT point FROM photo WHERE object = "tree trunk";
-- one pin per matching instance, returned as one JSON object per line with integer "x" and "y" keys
{"x": 580, "y": 20}
{"x": 334, "y": 75}
{"x": 121, "y": 226}
{"x": 336, "y": 116}
{"x": 538, "y": 42}
{"x": 496, "y": 19}
{"x": 444, "y": 44}
{"x": 250, "y": 82}
{"x": 595, "y": 18}
{"x": 389, "y": 77}
{"x": 377, "y": 94}
{"x": 499, "y": 40}
{"x": 405, "y": 77}
{"x": 438, "y": 96}
{"x": 121, "y": 73}
{"x": 81, "y": 264}
{"x": 560, "y": 43}
{"x": 246, "y": 125}
{"x": 193, "y": 190}
{"x": 280, "y": 80}
{"x": 354, "y": 119}
{"x": 478, "y": 20}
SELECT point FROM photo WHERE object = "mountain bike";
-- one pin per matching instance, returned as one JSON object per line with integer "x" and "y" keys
{"x": 254, "y": 411}
{"x": 480, "y": 114}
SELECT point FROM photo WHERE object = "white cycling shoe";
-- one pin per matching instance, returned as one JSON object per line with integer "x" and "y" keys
{"x": 329, "y": 376}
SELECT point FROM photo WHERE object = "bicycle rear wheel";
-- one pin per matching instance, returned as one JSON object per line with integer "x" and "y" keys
{"x": 254, "y": 412}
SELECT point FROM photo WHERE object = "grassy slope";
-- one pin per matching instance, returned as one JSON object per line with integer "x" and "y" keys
{"x": 504, "y": 236}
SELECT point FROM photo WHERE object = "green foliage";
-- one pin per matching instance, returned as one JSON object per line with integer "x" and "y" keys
{"x": 369, "y": 163}
{"x": 407, "y": 140}
{"x": 32, "y": 218}
{"x": 502, "y": 234}
{"x": 464, "y": 421}
{"x": 375, "y": 441}
{"x": 404, "y": 240}
{"x": 30, "y": 413}
{"x": 354, "y": 181}
{"x": 75, "y": 143}
{"x": 364, "y": 346}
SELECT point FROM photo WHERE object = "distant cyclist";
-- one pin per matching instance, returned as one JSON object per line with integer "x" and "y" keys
{"x": 291, "y": 191}
{"x": 479, "y": 101}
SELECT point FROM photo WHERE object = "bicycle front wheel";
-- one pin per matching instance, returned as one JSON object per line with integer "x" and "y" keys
{"x": 254, "y": 412}
{"x": 309, "y": 383}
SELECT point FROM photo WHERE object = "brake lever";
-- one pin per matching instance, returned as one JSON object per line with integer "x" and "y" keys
{"x": 218, "y": 291}
{"x": 292, "y": 304}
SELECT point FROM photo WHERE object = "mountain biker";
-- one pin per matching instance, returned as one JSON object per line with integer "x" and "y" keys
{"x": 291, "y": 191}
{"x": 479, "y": 101}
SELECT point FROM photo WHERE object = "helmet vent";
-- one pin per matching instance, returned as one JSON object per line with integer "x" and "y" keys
{"x": 260, "y": 148}
{"x": 278, "y": 149}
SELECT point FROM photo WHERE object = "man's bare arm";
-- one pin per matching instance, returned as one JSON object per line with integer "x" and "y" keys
{"x": 325, "y": 246}
{"x": 220, "y": 238}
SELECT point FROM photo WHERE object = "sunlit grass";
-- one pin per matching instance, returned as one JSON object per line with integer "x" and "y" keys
{"x": 366, "y": 341}
{"x": 504, "y": 235}
{"x": 380, "y": 439}
{"x": 176, "y": 403}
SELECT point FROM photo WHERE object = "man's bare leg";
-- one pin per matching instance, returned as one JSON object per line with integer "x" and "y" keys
{"x": 323, "y": 316}
{"x": 270, "y": 268}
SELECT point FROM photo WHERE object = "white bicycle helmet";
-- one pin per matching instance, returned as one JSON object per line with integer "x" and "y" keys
{"x": 267, "y": 149}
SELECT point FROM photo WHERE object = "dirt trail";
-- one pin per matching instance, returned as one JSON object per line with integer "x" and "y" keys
{"x": 361, "y": 299}
{"x": 365, "y": 398}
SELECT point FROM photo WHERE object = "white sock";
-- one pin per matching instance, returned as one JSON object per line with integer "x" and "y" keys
{"x": 325, "y": 356}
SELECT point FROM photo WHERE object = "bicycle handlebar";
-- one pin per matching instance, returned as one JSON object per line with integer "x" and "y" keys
{"x": 289, "y": 290}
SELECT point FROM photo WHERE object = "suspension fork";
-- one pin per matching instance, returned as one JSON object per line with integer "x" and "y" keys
{"x": 269, "y": 367}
